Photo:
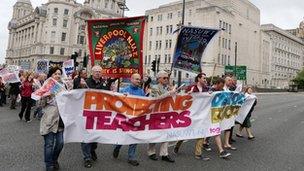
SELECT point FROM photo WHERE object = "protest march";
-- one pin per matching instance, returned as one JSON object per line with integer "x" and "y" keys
{"x": 92, "y": 106}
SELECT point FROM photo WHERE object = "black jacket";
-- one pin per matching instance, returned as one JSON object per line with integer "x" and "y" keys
{"x": 102, "y": 84}
{"x": 14, "y": 88}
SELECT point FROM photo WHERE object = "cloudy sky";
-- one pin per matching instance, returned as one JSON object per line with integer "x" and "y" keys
{"x": 283, "y": 13}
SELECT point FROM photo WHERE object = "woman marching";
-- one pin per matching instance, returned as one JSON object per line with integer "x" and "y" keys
{"x": 51, "y": 126}
{"x": 247, "y": 123}
{"x": 26, "y": 92}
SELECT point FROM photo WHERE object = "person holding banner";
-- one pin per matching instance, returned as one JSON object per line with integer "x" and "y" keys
{"x": 133, "y": 89}
{"x": 51, "y": 125}
{"x": 229, "y": 86}
{"x": 94, "y": 82}
{"x": 26, "y": 91}
{"x": 247, "y": 123}
{"x": 159, "y": 90}
{"x": 219, "y": 86}
{"x": 199, "y": 86}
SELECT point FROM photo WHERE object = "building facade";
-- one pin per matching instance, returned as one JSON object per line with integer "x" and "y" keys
{"x": 299, "y": 32}
{"x": 239, "y": 21}
{"x": 54, "y": 30}
{"x": 283, "y": 52}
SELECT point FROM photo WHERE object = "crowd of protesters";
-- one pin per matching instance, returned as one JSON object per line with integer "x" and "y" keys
{"x": 52, "y": 127}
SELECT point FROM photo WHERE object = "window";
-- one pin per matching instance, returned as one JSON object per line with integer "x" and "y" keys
{"x": 187, "y": 75}
{"x": 156, "y": 45}
{"x": 151, "y": 31}
{"x": 160, "y": 44}
{"x": 66, "y": 12}
{"x": 219, "y": 42}
{"x": 169, "y": 58}
{"x": 229, "y": 44}
{"x": 63, "y": 37}
{"x": 223, "y": 43}
{"x": 51, "y": 50}
{"x": 160, "y": 17}
{"x": 220, "y": 25}
{"x": 169, "y": 16}
{"x": 149, "y": 59}
{"x": 112, "y": 4}
{"x": 54, "y": 21}
{"x": 224, "y": 24}
{"x": 219, "y": 58}
{"x": 150, "y": 45}
{"x": 167, "y": 43}
{"x": 190, "y": 12}
{"x": 80, "y": 39}
{"x": 171, "y": 28}
{"x": 161, "y": 30}
{"x": 222, "y": 59}
{"x": 179, "y": 13}
{"x": 146, "y": 59}
{"x": 61, "y": 51}
{"x": 151, "y": 18}
{"x": 53, "y": 35}
{"x": 157, "y": 30}
{"x": 170, "y": 44}
{"x": 229, "y": 28}
{"x": 56, "y": 10}
{"x": 65, "y": 23}
{"x": 225, "y": 60}
{"x": 189, "y": 23}
{"x": 106, "y": 3}
{"x": 165, "y": 58}
{"x": 167, "y": 29}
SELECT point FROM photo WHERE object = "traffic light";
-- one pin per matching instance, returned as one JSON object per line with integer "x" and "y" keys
{"x": 153, "y": 67}
{"x": 85, "y": 61}
{"x": 74, "y": 57}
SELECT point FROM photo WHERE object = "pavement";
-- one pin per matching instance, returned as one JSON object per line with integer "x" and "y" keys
{"x": 278, "y": 125}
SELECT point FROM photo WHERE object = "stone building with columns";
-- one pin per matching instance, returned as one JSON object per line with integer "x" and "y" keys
{"x": 54, "y": 30}
{"x": 238, "y": 20}
{"x": 282, "y": 56}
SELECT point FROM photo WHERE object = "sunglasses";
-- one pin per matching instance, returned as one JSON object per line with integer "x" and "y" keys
{"x": 165, "y": 78}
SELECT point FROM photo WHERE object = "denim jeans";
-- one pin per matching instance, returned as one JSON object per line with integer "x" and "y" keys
{"x": 38, "y": 112}
{"x": 131, "y": 151}
{"x": 53, "y": 144}
{"x": 87, "y": 149}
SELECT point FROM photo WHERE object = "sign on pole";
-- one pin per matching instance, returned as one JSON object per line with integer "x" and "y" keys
{"x": 241, "y": 71}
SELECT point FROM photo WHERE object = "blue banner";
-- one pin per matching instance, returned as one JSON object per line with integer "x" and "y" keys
{"x": 190, "y": 46}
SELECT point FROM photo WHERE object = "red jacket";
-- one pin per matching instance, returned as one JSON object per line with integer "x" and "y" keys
{"x": 26, "y": 89}
{"x": 195, "y": 88}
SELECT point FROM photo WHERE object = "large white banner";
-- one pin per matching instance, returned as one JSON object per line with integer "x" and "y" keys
{"x": 113, "y": 118}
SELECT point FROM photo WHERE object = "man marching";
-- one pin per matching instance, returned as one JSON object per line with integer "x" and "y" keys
{"x": 133, "y": 89}
{"x": 160, "y": 89}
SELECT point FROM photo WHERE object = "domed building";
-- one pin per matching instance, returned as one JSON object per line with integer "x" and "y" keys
{"x": 299, "y": 32}
{"x": 54, "y": 30}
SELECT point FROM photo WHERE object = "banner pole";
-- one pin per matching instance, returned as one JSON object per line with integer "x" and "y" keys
{"x": 179, "y": 74}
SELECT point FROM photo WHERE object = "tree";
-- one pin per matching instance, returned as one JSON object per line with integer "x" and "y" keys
{"x": 299, "y": 80}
